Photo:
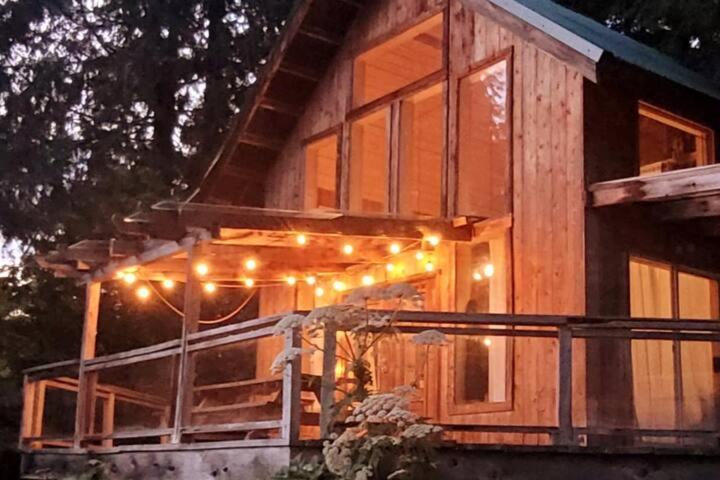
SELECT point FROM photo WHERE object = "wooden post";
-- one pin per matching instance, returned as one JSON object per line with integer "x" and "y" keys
{"x": 186, "y": 372}
{"x": 27, "y": 411}
{"x": 291, "y": 390}
{"x": 327, "y": 386}
{"x": 108, "y": 423}
{"x": 565, "y": 434}
{"x": 87, "y": 380}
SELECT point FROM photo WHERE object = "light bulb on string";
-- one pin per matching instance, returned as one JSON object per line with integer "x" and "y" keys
{"x": 250, "y": 264}
{"x": 390, "y": 267}
{"x": 419, "y": 256}
{"x": 301, "y": 239}
{"x": 319, "y": 292}
{"x": 168, "y": 284}
{"x": 433, "y": 240}
{"x": 290, "y": 280}
{"x": 395, "y": 248}
{"x": 487, "y": 342}
{"x": 310, "y": 280}
{"x": 202, "y": 269}
{"x": 209, "y": 287}
{"x": 429, "y": 267}
{"x": 339, "y": 286}
{"x": 477, "y": 276}
{"x": 129, "y": 278}
{"x": 249, "y": 282}
{"x": 348, "y": 249}
{"x": 368, "y": 280}
{"x": 489, "y": 270}
{"x": 143, "y": 293}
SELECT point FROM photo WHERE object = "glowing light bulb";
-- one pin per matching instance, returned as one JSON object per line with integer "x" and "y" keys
{"x": 368, "y": 280}
{"x": 209, "y": 287}
{"x": 249, "y": 282}
{"x": 301, "y": 239}
{"x": 433, "y": 240}
{"x": 319, "y": 292}
{"x": 390, "y": 267}
{"x": 419, "y": 255}
{"x": 395, "y": 248}
{"x": 477, "y": 276}
{"x": 489, "y": 270}
{"x": 429, "y": 267}
{"x": 290, "y": 280}
{"x": 129, "y": 278}
{"x": 119, "y": 275}
{"x": 251, "y": 264}
{"x": 202, "y": 269}
{"x": 168, "y": 284}
{"x": 347, "y": 249}
{"x": 310, "y": 280}
{"x": 339, "y": 286}
{"x": 143, "y": 293}
{"x": 487, "y": 342}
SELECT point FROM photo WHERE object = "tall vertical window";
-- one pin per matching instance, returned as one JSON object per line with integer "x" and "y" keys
{"x": 400, "y": 61}
{"x": 668, "y": 142}
{"x": 369, "y": 163}
{"x": 321, "y": 173}
{"x": 421, "y": 153}
{"x": 673, "y": 380}
{"x": 482, "y": 380}
{"x": 484, "y": 142}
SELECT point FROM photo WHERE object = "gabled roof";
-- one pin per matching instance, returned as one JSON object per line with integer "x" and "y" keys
{"x": 594, "y": 39}
{"x": 314, "y": 33}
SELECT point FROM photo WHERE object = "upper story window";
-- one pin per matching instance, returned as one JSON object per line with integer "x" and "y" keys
{"x": 668, "y": 142}
{"x": 400, "y": 61}
{"x": 369, "y": 163}
{"x": 484, "y": 142}
{"x": 321, "y": 157}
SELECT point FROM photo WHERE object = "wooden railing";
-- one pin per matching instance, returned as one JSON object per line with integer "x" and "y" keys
{"x": 256, "y": 407}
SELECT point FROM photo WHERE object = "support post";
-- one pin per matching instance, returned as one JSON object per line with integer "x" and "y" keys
{"x": 87, "y": 380}
{"x": 108, "y": 417}
{"x": 565, "y": 434}
{"x": 186, "y": 372}
{"x": 291, "y": 390}
{"x": 327, "y": 385}
{"x": 27, "y": 411}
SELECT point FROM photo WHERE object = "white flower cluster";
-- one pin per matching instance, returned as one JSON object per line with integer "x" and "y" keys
{"x": 429, "y": 337}
{"x": 288, "y": 322}
{"x": 420, "y": 430}
{"x": 338, "y": 454}
{"x": 384, "y": 408}
{"x": 287, "y": 356}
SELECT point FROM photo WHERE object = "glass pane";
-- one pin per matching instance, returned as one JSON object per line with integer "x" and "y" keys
{"x": 650, "y": 289}
{"x": 698, "y": 297}
{"x": 321, "y": 173}
{"x": 668, "y": 142}
{"x": 421, "y": 137}
{"x": 405, "y": 58}
{"x": 369, "y": 163}
{"x": 484, "y": 143}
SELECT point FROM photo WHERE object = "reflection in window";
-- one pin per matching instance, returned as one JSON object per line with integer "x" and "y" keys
{"x": 407, "y": 57}
{"x": 481, "y": 362}
{"x": 321, "y": 178}
{"x": 484, "y": 142}
{"x": 369, "y": 163}
{"x": 668, "y": 142}
{"x": 421, "y": 144}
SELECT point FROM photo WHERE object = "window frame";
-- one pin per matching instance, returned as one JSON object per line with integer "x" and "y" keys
{"x": 673, "y": 120}
{"x": 337, "y": 132}
{"x": 484, "y": 232}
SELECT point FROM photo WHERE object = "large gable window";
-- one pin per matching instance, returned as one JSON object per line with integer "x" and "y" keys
{"x": 400, "y": 61}
{"x": 668, "y": 142}
{"x": 369, "y": 159}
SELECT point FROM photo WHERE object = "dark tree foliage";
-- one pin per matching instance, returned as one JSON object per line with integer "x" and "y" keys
{"x": 688, "y": 30}
{"x": 105, "y": 106}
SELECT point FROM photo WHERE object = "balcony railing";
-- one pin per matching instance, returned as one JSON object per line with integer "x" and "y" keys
{"x": 550, "y": 395}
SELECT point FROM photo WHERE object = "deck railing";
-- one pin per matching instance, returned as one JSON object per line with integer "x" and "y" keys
{"x": 230, "y": 396}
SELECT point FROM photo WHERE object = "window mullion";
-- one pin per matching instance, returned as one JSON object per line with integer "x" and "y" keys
{"x": 394, "y": 156}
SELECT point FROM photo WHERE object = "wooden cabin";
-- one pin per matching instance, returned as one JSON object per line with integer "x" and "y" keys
{"x": 550, "y": 186}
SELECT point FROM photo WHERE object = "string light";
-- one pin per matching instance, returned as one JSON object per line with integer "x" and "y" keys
{"x": 390, "y": 267}
{"x": 419, "y": 255}
{"x": 487, "y": 342}
{"x": 395, "y": 248}
{"x": 250, "y": 264}
{"x": 489, "y": 270}
{"x": 129, "y": 278}
{"x": 291, "y": 280}
{"x": 143, "y": 293}
{"x": 433, "y": 240}
{"x": 429, "y": 267}
{"x": 249, "y": 282}
{"x": 347, "y": 249}
{"x": 368, "y": 280}
{"x": 202, "y": 269}
{"x": 168, "y": 284}
{"x": 477, "y": 276}
{"x": 301, "y": 239}
{"x": 209, "y": 287}
{"x": 310, "y": 280}
{"x": 339, "y": 286}
{"x": 319, "y": 292}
